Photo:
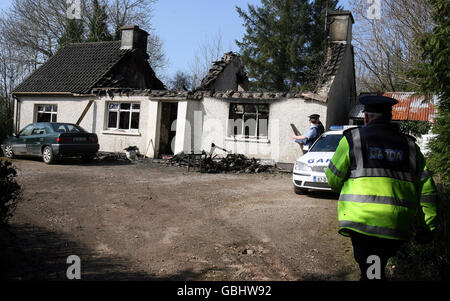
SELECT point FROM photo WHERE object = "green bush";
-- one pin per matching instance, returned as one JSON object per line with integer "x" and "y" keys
{"x": 11, "y": 191}
{"x": 6, "y": 122}
{"x": 415, "y": 127}
{"x": 438, "y": 160}
{"x": 430, "y": 261}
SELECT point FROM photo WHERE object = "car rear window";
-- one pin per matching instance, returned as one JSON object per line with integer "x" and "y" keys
{"x": 67, "y": 128}
{"x": 326, "y": 143}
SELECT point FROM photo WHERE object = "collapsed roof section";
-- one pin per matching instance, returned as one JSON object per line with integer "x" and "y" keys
{"x": 196, "y": 95}
{"x": 226, "y": 74}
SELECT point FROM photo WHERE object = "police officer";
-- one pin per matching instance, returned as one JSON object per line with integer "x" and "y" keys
{"x": 319, "y": 123}
{"x": 313, "y": 132}
{"x": 383, "y": 182}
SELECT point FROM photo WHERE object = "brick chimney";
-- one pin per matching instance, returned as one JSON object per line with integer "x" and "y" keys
{"x": 134, "y": 38}
{"x": 340, "y": 23}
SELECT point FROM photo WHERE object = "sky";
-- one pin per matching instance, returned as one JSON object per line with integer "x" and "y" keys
{"x": 184, "y": 25}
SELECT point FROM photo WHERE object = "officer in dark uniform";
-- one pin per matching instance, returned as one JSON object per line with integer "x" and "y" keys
{"x": 319, "y": 123}
{"x": 315, "y": 130}
{"x": 383, "y": 183}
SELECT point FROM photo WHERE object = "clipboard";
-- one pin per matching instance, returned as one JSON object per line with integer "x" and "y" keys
{"x": 296, "y": 131}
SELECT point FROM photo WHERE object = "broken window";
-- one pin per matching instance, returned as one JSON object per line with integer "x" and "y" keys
{"x": 248, "y": 120}
{"x": 123, "y": 115}
{"x": 46, "y": 113}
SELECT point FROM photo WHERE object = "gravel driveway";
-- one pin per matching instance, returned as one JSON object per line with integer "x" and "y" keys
{"x": 148, "y": 221}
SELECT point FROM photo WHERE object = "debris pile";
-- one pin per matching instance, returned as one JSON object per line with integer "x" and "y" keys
{"x": 232, "y": 163}
{"x": 207, "y": 163}
{"x": 190, "y": 160}
{"x": 107, "y": 156}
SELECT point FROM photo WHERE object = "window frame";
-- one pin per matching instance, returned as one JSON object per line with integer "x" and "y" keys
{"x": 130, "y": 112}
{"x": 44, "y": 111}
{"x": 243, "y": 136}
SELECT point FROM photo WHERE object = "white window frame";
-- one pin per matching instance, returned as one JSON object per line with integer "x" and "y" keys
{"x": 53, "y": 111}
{"x": 242, "y": 136}
{"x": 119, "y": 110}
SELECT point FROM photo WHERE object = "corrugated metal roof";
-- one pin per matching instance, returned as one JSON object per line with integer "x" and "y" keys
{"x": 411, "y": 106}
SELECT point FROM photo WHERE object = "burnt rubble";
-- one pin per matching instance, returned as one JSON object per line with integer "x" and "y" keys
{"x": 207, "y": 163}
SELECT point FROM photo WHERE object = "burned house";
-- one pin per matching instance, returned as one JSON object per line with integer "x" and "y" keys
{"x": 110, "y": 89}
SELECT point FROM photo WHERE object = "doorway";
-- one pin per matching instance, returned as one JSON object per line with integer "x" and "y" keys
{"x": 169, "y": 112}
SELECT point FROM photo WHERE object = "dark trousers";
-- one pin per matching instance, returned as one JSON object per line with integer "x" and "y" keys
{"x": 365, "y": 246}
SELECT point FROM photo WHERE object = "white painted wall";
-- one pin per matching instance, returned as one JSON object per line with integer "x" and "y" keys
{"x": 296, "y": 111}
{"x": 69, "y": 109}
{"x": 117, "y": 140}
{"x": 199, "y": 124}
{"x": 280, "y": 145}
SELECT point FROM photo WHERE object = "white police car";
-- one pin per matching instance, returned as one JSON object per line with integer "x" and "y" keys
{"x": 309, "y": 169}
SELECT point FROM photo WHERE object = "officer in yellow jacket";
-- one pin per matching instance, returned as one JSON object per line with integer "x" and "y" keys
{"x": 383, "y": 183}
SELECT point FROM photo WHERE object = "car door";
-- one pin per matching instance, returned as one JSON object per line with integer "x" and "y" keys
{"x": 20, "y": 144}
{"x": 35, "y": 141}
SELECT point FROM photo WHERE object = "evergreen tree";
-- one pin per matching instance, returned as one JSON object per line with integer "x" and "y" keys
{"x": 73, "y": 32}
{"x": 98, "y": 28}
{"x": 434, "y": 75}
{"x": 285, "y": 43}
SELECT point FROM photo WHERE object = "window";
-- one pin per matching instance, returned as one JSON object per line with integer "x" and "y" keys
{"x": 326, "y": 143}
{"x": 67, "y": 128}
{"x": 26, "y": 131}
{"x": 123, "y": 115}
{"x": 46, "y": 113}
{"x": 40, "y": 130}
{"x": 248, "y": 120}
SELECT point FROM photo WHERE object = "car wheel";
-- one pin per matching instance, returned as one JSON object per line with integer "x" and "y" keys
{"x": 9, "y": 151}
{"x": 47, "y": 155}
{"x": 299, "y": 190}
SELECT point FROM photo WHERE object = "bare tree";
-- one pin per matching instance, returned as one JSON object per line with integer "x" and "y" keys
{"x": 138, "y": 12}
{"x": 14, "y": 65}
{"x": 32, "y": 27}
{"x": 126, "y": 12}
{"x": 212, "y": 49}
{"x": 385, "y": 48}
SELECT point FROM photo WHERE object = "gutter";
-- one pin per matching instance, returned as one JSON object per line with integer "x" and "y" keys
{"x": 51, "y": 93}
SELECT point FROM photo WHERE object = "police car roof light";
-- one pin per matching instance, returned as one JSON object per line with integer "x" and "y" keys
{"x": 336, "y": 127}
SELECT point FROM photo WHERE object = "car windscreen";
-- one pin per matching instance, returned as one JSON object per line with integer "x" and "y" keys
{"x": 67, "y": 128}
{"x": 326, "y": 143}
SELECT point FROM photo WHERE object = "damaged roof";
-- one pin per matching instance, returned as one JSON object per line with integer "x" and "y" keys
{"x": 336, "y": 52}
{"x": 217, "y": 68}
{"x": 334, "y": 62}
{"x": 197, "y": 95}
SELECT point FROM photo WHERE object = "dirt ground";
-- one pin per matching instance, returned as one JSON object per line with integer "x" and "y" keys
{"x": 146, "y": 221}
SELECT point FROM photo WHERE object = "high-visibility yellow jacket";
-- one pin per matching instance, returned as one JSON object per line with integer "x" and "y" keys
{"x": 383, "y": 182}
